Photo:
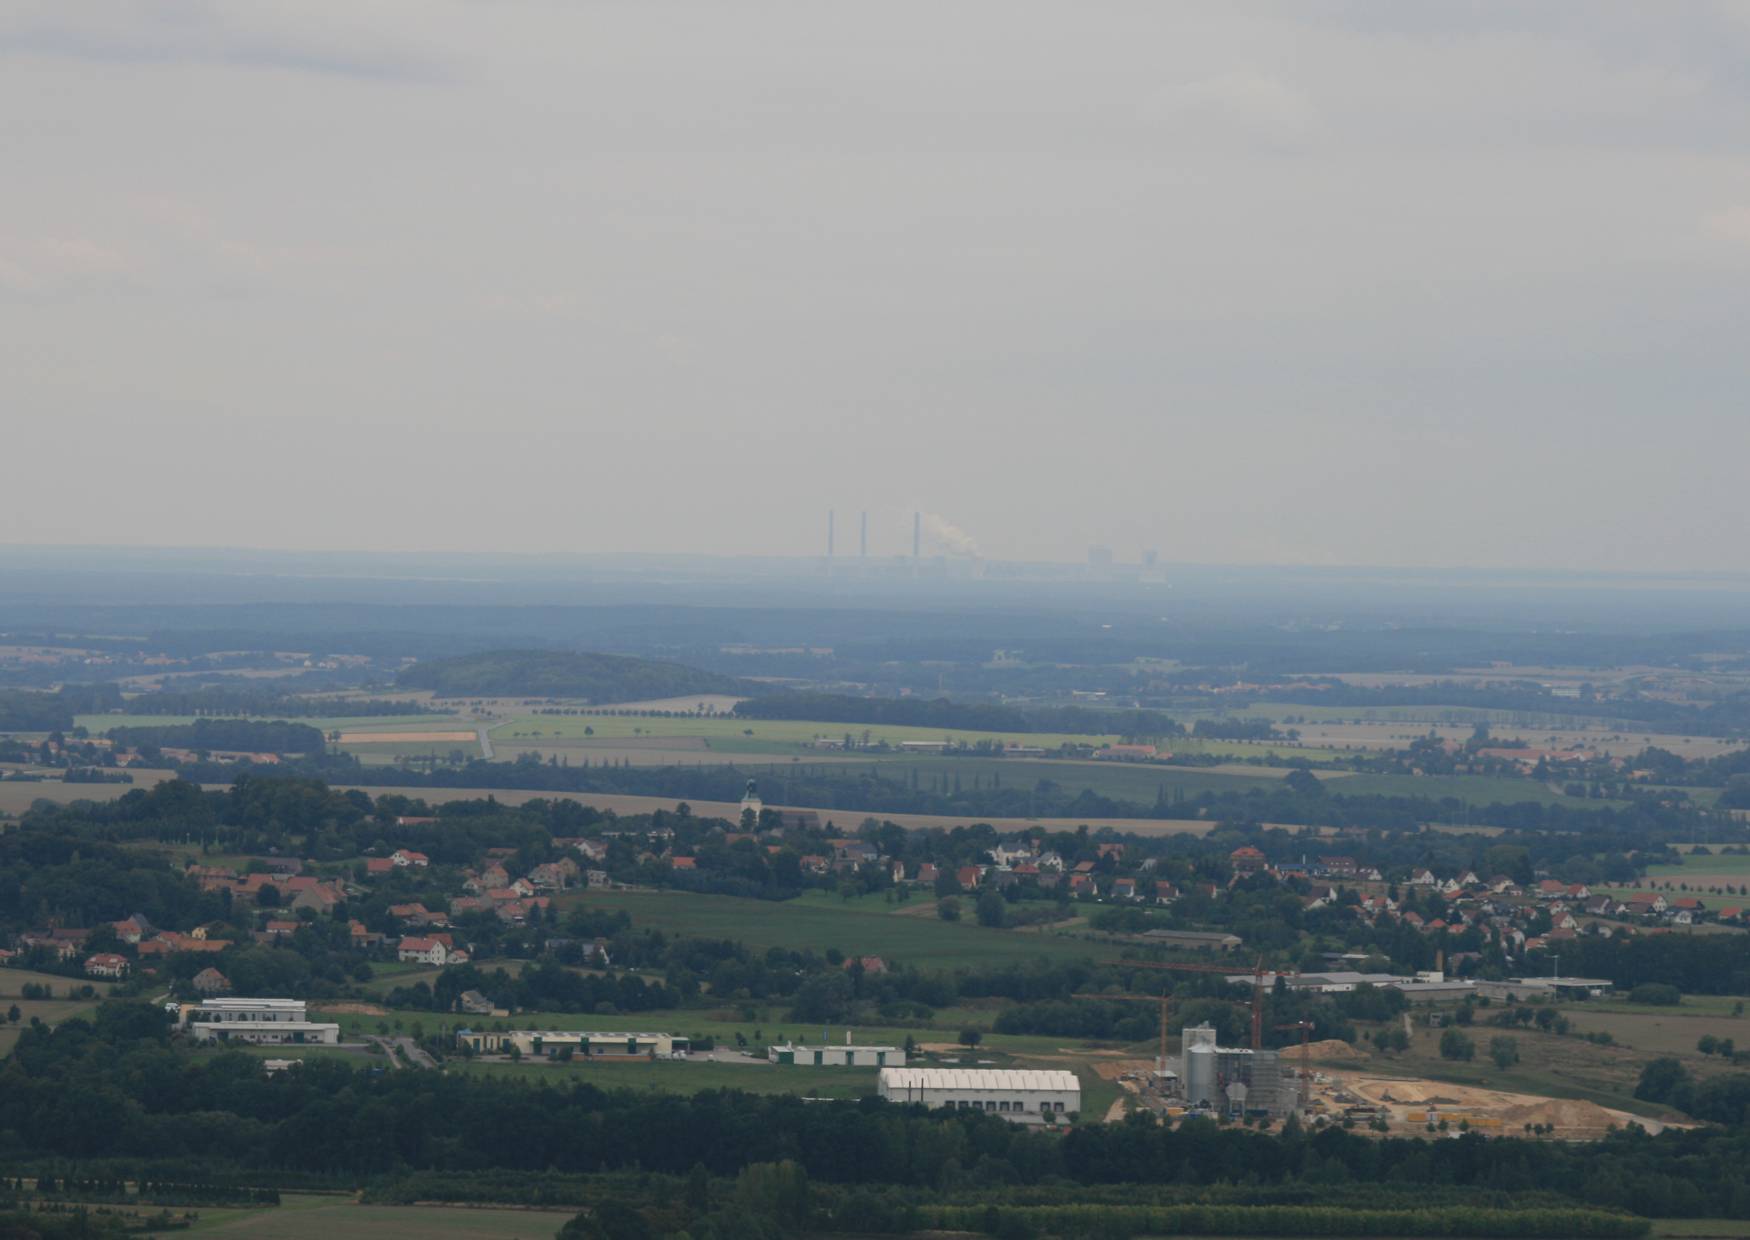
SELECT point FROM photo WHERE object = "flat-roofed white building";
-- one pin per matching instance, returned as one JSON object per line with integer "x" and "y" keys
{"x": 828, "y": 1056}
{"x": 1024, "y": 1096}
{"x": 552, "y": 1043}
{"x": 256, "y": 1020}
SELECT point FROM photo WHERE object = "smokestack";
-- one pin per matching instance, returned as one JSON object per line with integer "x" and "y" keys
{"x": 917, "y": 534}
{"x": 829, "y": 532}
{"x": 863, "y": 537}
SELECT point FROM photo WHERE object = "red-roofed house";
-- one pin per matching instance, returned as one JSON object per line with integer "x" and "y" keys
{"x": 210, "y": 981}
{"x": 106, "y": 964}
{"x": 1247, "y": 860}
{"x": 422, "y": 951}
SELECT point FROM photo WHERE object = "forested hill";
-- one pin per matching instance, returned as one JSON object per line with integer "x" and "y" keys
{"x": 556, "y": 673}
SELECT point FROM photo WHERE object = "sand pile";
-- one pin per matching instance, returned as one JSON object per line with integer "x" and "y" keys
{"x": 1112, "y": 1069}
{"x": 1329, "y": 1049}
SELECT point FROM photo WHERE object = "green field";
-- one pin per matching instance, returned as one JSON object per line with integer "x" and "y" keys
{"x": 684, "y": 1077}
{"x": 50, "y": 1011}
{"x": 551, "y": 729}
{"x": 915, "y": 936}
{"x": 1663, "y": 1030}
{"x": 770, "y": 1023}
{"x": 1701, "y": 1228}
{"x": 1717, "y": 864}
{"x": 309, "y": 1216}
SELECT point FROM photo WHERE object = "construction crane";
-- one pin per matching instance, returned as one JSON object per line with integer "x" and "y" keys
{"x": 1161, "y": 1061}
{"x": 1257, "y": 986}
{"x": 1305, "y": 1027}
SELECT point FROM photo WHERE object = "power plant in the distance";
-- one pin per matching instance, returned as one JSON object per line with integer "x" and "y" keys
{"x": 952, "y": 551}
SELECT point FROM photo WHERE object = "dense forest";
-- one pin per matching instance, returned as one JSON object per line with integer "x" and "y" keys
{"x": 113, "y": 1092}
{"x": 255, "y": 736}
{"x": 30, "y": 710}
{"x": 870, "y": 788}
{"x": 553, "y": 673}
{"x": 250, "y": 700}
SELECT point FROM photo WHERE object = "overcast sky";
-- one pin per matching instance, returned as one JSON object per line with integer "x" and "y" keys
{"x": 1347, "y": 283}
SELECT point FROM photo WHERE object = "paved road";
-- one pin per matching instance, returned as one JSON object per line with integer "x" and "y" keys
{"x": 408, "y": 1047}
{"x": 415, "y": 1055}
{"x": 484, "y": 732}
{"x": 725, "y": 1055}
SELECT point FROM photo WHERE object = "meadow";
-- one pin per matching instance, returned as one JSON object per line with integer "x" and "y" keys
{"x": 51, "y": 1011}
{"x": 311, "y": 1216}
{"x": 1661, "y": 1031}
{"x": 1716, "y": 871}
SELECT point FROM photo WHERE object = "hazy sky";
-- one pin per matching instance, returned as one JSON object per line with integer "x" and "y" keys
{"x": 1376, "y": 282}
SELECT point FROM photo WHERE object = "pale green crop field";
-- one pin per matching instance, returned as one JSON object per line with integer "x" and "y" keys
{"x": 552, "y": 728}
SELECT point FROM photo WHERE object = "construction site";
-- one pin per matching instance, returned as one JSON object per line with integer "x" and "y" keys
{"x": 1207, "y": 1078}
{"x": 1329, "y": 1081}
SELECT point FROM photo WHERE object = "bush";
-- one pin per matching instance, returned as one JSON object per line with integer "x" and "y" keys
{"x": 1504, "y": 1051}
{"x": 1659, "y": 994}
{"x": 1455, "y": 1045}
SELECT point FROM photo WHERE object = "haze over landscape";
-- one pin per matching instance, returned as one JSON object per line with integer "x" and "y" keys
{"x": 774, "y": 621}
{"x": 1331, "y": 283}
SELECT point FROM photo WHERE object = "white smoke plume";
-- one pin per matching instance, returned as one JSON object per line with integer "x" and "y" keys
{"x": 948, "y": 536}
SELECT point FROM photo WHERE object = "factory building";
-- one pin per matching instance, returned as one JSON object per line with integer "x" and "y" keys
{"x": 552, "y": 1044}
{"x": 255, "y": 1020}
{"x": 1022, "y": 1097}
{"x": 1233, "y": 1081}
{"x": 825, "y": 1056}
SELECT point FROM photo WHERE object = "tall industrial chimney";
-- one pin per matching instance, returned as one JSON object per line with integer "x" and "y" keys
{"x": 917, "y": 534}
{"x": 829, "y": 532}
{"x": 863, "y": 537}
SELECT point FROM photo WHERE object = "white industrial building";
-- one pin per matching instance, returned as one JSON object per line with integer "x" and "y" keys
{"x": 256, "y": 1020}
{"x": 552, "y": 1043}
{"x": 828, "y": 1056}
{"x": 1023, "y": 1096}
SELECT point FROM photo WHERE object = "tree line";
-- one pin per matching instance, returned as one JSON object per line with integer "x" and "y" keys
{"x": 113, "y": 1092}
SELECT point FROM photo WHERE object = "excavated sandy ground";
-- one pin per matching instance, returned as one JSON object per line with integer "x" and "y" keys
{"x": 1409, "y": 1102}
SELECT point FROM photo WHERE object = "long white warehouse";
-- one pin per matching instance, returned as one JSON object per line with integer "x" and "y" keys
{"x": 256, "y": 1020}
{"x": 1023, "y": 1096}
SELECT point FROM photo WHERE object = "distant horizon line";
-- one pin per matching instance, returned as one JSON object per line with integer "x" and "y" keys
{"x": 802, "y": 562}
